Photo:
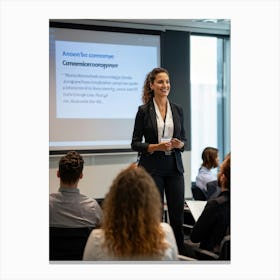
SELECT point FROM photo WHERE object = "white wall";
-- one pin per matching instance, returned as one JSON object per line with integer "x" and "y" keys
{"x": 100, "y": 170}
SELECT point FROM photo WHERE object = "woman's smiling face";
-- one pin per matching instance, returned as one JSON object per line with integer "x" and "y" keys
{"x": 161, "y": 85}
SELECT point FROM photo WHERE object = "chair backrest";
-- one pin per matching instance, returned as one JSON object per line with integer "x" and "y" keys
{"x": 225, "y": 249}
{"x": 67, "y": 243}
{"x": 197, "y": 193}
{"x": 100, "y": 201}
{"x": 222, "y": 255}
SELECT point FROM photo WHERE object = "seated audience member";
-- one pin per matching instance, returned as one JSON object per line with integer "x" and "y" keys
{"x": 206, "y": 180}
{"x": 131, "y": 227}
{"x": 68, "y": 207}
{"x": 214, "y": 222}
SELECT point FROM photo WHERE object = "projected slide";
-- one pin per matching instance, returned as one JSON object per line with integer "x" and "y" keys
{"x": 96, "y": 80}
{"x": 96, "y": 83}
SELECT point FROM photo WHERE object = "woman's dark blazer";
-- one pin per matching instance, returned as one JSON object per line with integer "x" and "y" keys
{"x": 146, "y": 126}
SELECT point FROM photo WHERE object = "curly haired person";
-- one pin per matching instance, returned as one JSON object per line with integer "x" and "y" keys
{"x": 131, "y": 227}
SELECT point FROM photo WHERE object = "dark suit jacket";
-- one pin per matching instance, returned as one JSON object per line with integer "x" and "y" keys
{"x": 213, "y": 223}
{"x": 146, "y": 126}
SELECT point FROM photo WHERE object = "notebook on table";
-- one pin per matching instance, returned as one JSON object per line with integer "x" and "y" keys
{"x": 196, "y": 207}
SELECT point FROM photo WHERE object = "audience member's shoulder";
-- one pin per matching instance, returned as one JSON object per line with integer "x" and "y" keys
{"x": 88, "y": 198}
{"x": 168, "y": 232}
{"x": 98, "y": 232}
{"x": 96, "y": 236}
{"x": 223, "y": 197}
{"x": 93, "y": 249}
{"x": 166, "y": 227}
{"x": 212, "y": 202}
{"x": 54, "y": 196}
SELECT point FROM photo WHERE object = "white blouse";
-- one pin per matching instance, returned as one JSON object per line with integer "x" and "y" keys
{"x": 165, "y": 127}
{"x": 204, "y": 176}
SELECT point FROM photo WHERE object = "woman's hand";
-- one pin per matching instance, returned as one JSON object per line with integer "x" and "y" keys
{"x": 162, "y": 146}
{"x": 177, "y": 144}
{"x": 165, "y": 146}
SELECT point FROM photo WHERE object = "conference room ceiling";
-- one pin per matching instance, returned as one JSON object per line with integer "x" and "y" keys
{"x": 213, "y": 26}
{"x": 217, "y": 23}
{"x": 221, "y": 26}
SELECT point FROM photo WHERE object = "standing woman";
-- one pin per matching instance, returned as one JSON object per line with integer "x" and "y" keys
{"x": 161, "y": 124}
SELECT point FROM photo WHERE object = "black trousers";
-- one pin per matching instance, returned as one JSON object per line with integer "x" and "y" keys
{"x": 170, "y": 181}
{"x": 174, "y": 188}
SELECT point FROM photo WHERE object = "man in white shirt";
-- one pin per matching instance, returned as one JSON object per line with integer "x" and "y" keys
{"x": 68, "y": 207}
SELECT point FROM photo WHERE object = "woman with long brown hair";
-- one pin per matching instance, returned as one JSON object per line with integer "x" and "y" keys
{"x": 131, "y": 227}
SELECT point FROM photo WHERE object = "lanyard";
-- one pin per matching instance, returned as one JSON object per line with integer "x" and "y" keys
{"x": 164, "y": 125}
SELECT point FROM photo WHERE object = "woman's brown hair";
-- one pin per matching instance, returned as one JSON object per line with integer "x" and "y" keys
{"x": 148, "y": 93}
{"x": 209, "y": 157}
{"x": 132, "y": 216}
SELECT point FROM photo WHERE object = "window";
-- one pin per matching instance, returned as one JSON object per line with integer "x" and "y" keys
{"x": 210, "y": 115}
